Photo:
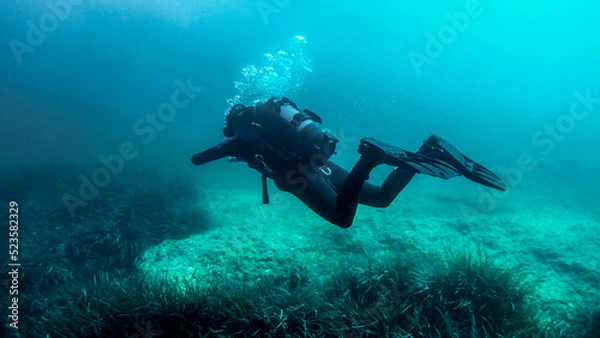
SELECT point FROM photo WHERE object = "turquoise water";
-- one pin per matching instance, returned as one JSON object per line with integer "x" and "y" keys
{"x": 106, "y": 101}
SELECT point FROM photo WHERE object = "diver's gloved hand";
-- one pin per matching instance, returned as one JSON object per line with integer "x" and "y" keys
{"x": 197, "y": 159}
{"x": 209, "y": 155}
{"x": 230, "y": 146}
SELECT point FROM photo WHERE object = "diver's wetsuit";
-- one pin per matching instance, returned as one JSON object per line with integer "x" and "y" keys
{"x": 335, "y": 195}
{"x": 320, "y": 189}
{"x": 326, "y": 188}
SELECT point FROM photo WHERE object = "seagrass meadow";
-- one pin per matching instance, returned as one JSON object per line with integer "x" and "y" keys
{"x": 178, "y": 260}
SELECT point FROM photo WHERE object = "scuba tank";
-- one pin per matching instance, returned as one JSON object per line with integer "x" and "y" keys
{"x": 316, "y": 143}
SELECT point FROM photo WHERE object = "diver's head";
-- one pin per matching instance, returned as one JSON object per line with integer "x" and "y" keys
{"x": 233, "y": 118}
{"x": 234, "y": 111}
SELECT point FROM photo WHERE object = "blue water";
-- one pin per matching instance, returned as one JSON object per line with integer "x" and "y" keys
{"x": 513, "y": 69}
{"x": 514, "y": 84}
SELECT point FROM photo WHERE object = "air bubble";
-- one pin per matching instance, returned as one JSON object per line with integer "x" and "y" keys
{"x": 282, "y": 74}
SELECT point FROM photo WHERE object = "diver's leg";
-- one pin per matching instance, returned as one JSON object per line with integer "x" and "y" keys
{"x": 407, "y": 165}
{"x": 371, "y": 195}
{"x": 353, "y": 189}
{"x": 383, "y": 196}
{"x": 349, "y": 194}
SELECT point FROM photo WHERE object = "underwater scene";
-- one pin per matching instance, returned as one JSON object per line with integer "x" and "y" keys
{"x": 282, "y": 168}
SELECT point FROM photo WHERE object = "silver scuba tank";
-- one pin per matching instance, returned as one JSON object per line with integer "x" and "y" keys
{"x": 321, "y": 140}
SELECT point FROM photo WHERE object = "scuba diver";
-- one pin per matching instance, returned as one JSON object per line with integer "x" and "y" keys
{"x": 292, "y": 147}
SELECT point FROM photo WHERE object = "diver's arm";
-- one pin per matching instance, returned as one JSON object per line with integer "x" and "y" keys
{"x": 223, "y": 149}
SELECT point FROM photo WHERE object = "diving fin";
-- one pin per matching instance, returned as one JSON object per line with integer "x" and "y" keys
{"x": 378, "y": 152}
{"x": 441, "y": 149}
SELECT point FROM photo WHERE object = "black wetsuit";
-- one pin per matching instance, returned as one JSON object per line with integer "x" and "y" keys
{"x": 329, "y": 190}
{"x": 336, "y": 195}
